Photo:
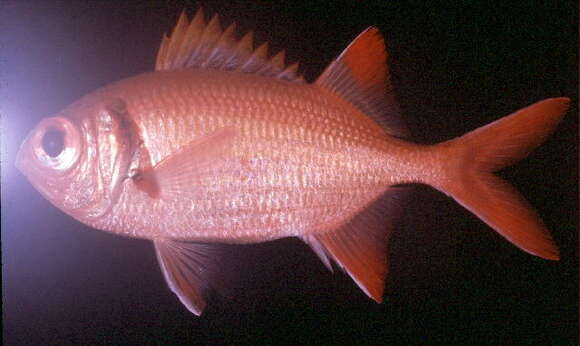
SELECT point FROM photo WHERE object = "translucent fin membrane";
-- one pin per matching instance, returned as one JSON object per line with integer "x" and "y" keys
{"x": 201, "y": 44}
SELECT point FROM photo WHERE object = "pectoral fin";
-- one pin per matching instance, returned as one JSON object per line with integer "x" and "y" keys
{"x": 188, "y": 268}
{"x": 180, "y": 172}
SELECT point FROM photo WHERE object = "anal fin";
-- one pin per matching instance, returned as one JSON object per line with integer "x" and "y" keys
{"x": 360, "y": 246}
{"x": 188, "y": 269}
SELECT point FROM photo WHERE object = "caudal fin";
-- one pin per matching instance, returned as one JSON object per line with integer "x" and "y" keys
{"x": 471, "y": 159}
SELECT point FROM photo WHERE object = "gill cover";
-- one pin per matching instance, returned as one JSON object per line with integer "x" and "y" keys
{"x": 115, "y": 139}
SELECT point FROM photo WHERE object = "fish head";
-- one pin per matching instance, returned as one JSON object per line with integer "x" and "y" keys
{"x": 78, "y": 158}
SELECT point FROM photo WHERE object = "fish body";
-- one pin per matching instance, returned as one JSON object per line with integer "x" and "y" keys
{"x": 302, "y": 160}
{"x": 224, "y": 144}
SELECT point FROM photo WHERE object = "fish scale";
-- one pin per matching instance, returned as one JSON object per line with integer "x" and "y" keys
{"x": 271, "y": 131}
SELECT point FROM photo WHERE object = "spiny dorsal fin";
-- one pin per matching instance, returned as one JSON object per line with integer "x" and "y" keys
{"x": 198, "y": 44}
{"x": 361, "y": 76}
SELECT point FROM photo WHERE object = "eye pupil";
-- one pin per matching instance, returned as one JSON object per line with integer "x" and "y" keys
{"x": 53, "y": 142}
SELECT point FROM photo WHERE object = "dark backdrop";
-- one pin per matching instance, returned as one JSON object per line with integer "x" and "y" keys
{"x": 452, "y": 279}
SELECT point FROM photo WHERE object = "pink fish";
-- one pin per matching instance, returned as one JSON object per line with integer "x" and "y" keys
{"x": 224, "y": 143}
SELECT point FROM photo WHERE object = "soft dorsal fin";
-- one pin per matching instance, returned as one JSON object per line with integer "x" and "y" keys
{"x": 360, "y": 75}
{"x": 201, "y": 44}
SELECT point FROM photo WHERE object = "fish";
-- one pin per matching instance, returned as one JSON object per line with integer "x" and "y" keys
{"x": 225, "y": 143}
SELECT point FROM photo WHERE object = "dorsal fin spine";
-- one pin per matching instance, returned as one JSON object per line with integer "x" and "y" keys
{"x": 191, "y": 36}
{"x": 259, "y": 53}
{"x": 227, "y": 35}
{"x": 161, "y": 53}
{"x": 201, "y": 44}
{"x": 279, "y": 59}
{"x": 179, "y": 33}
{"x": 208, "y": 39}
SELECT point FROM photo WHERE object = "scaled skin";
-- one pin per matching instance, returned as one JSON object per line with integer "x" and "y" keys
{"x": 303, "y": 160}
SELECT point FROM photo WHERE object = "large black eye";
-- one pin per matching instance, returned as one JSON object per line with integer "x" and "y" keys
{"x": 53, "y": 142}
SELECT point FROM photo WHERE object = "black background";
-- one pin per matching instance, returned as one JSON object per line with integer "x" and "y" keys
{"x": 452, "y": 279}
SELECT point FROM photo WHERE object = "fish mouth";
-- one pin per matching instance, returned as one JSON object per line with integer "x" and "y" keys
{"x": 24, "y": 166}
{"x": 20, "y": 161}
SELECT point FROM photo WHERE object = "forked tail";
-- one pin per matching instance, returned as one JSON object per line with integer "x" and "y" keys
{"x": 462, "y": 168}
{"x": 470, "y": 160}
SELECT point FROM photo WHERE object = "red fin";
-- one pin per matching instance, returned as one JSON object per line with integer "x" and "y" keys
{"x": 187, "y": 268}
{"x": 499, "y": 205}
{"x": 318, "y": 249}
{"x": 205, "y": 45}
{"x": 179, "y": 173}
{"x": 471, "y": 159}
{"x": 360, "y": 75}
{"x": 360, "y": 246}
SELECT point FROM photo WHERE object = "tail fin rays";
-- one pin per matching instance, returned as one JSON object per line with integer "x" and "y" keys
{"x": 499, "y": 205}
{"x": 510, "y": 139}
{"x": 477, "y": 154}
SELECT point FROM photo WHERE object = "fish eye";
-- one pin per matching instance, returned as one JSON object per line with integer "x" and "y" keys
{"x": 57, "y": 143}
{"x": 53, "y": 142}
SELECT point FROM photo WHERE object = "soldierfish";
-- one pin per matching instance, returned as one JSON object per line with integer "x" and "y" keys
{"x": 224, "y": 143}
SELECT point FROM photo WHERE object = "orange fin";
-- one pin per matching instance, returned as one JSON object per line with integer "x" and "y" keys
{"x": 360, "y": 246}
{"x": 188, "y": 270}
{"x": 471, "y": 159}
{"x": 511, "y": 138}
{"x": 319, "y": 249}
{"x": 360, "y": 75}
{"x": 205, "y": 45}
{"x": 180, "y": 173}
